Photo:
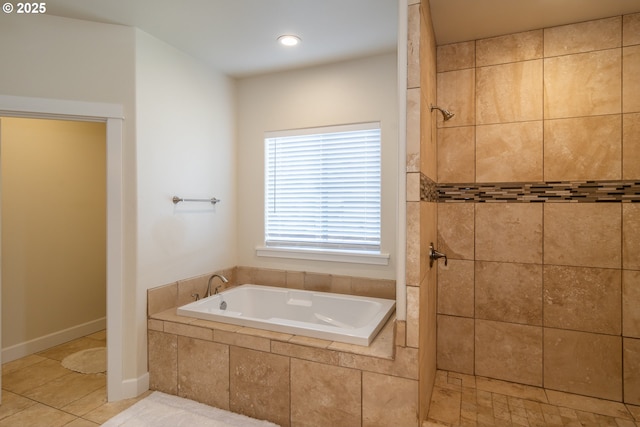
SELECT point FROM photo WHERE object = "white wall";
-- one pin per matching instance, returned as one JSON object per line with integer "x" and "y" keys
{"x": 177, "y": 139}
{"x": 185, "y": 148}
{"x": 361, "y": 90}
{"x": 50, "y": 57}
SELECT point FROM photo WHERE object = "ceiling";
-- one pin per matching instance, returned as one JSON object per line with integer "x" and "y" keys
{"x": 238, "y": 37}
{"x": 462, "y": 20}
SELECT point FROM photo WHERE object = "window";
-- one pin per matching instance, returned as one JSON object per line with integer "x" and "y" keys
{"x": 323, "y": 189}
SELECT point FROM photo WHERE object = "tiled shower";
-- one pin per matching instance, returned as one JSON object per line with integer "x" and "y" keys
{"x": 537, "y": 175}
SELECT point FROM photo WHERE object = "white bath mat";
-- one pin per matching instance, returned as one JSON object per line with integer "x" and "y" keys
{"x": 164, "y": 410}
{"x": 90, "y": 361}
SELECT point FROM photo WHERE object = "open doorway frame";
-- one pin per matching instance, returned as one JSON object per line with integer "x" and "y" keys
{"x": 112, "y": 115}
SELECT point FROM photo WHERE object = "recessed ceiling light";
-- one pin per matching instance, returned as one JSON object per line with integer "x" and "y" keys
{"x": 289, "y": 40}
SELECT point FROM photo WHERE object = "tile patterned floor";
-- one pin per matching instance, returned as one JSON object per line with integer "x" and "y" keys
{"x": 465, "y": 400}
{"x": 37, "y": 391}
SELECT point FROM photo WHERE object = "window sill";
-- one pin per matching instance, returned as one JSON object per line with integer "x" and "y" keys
{"x": 326, "y": 255}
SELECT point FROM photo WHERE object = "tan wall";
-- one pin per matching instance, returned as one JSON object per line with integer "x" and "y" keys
{"x": 542, "y": 293}
{"x": 53, "y": 226}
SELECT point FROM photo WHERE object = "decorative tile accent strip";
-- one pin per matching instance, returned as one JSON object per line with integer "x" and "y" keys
{"x": 538, "y": 192}
{"x": 428, "y": 189}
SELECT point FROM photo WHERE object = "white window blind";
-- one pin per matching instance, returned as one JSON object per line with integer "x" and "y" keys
{"x": 323, "y": 188}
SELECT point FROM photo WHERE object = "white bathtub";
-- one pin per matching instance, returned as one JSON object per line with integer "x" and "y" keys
{"x": 336, "y": 317}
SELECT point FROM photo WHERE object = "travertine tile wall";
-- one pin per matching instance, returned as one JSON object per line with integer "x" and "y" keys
{"x": 546, "y": 294}
{"x": 290, "y": 380}
{"x": 421, "y": 215}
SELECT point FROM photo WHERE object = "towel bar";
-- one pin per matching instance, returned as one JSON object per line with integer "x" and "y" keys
{"x": 177, "y": 200}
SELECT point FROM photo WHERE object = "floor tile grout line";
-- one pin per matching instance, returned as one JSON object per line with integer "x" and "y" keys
{"x": 548, "y": 413}
{"x": 24, "y": 396}
{"x": 62, "y": 409}
{"x": 37, "y": 402}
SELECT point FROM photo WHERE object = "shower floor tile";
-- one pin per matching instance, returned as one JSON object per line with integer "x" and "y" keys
{"x": 466, "y": 400}
{"x": 37, "y": 390}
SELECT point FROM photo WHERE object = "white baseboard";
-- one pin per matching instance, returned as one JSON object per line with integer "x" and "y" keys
{"x": 132, "y": 388}
{"x": 42, "y": 343}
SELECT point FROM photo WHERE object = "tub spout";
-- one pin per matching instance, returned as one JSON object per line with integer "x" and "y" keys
{"x": 213, "y": 276}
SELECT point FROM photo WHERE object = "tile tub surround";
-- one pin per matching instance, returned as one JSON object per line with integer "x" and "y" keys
{"x": 538, "y": 195}
{"x": 273, "y": 376}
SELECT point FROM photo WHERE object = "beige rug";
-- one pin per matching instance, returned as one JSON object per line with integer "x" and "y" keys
{"x": 164, "y": 410}
{"x": 90, "y": 361}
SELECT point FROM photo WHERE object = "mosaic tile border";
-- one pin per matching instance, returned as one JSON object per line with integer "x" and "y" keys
{"x": 533, "y": 192}
{"x": 428, "y": 189}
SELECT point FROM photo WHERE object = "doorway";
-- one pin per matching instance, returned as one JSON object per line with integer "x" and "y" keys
{"x": 112, "y": 114}
{"x": 53, "y": 232}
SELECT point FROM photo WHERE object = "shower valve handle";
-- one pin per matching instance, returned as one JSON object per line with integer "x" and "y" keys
{"x": 434, "y": 255}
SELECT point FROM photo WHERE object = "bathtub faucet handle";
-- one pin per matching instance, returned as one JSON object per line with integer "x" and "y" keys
{"x": 434, "y": 255}
{"x": 196, "y": 296}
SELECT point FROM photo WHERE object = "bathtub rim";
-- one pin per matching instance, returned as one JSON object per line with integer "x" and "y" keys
{"x": 295, "y": 327}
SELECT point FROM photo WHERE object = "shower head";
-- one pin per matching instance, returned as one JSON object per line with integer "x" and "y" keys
{"x": 446, "y": 114}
